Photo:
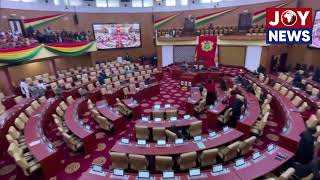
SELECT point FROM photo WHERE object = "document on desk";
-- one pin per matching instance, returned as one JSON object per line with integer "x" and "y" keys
{"x": 33, "y": 143}
{"x": 201, "y": 145}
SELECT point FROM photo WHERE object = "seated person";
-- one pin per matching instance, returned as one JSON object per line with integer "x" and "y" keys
{"x": 297, "y": 81}
{"x": 184, "y": 65}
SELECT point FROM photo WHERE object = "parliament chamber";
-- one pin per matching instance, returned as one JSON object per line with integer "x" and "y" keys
{"x": 157, "y": 89}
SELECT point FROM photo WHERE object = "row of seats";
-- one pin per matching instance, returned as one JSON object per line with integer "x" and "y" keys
{"x": 258, "y": 127}
{"x": 103, "y": 122}
{"x": 159, "y": 133}
{"x": 67, "y": 72}
{"x": 72, "y": 141}
{"x": 18, "y": 149}
{"x": 309, "y": 88}
{"x": 295, "y": 99}
{"x": 164, "y": 114}
{"x": 184, "y": 161}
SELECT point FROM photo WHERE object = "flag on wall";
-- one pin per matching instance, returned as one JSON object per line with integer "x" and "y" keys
{"x": 41, "y": 21}
{"x": 206, "y": 49}
{"x": 160, "y": 22}
{"x": 259, "y": 15}
{"x": 200, "y": 20}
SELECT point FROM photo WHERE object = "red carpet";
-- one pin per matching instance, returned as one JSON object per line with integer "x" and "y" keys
{"x": 75, "y": 163}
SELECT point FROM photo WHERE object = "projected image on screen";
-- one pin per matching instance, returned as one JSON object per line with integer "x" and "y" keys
{"x": 316, "y": 31}
{"x": 112, "y": 36}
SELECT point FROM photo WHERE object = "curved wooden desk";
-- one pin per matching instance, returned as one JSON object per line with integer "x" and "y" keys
{"x": 37, "y": 142}
{"x": 252, "y": 170}
{"x": 172, "y": 149}
{"x": 72, "y": 121}
{"x": 294, "y": 124}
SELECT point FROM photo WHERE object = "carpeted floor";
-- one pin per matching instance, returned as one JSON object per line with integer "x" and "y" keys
{"x": 75, "y": 163}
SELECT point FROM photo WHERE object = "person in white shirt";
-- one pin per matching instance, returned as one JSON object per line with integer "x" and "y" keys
{"x": 25, "y": 88}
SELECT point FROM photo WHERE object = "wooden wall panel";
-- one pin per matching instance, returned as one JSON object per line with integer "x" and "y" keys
{"x": 232, "y": 55}
{"x": 19, "y": 72}
{"x": 70, "y": 62}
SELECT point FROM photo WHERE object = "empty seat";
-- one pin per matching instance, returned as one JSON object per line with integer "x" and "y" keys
{"x": 225, "y": 117}
{"x": 277, "y": 87}
{"x": 119, "y": 160}
{"x": 70, "y": 100}
{"x": 59, "y": 111}
{"x": 303, "y": 107}
{"x": 138, "y": 162}
{"x": 29, "y": 110}
{"x": 195, "y": 128}
{"x": 296, "y": 101}
{"x": 187, "y": 160}
{"x": 312, "y": 122}
{"x": 171, "y": 113}
{"x": 19, "y": 124}
{"x": 171, "y": 135}
{"x": 158, "y": 114}
{"x": 283, "y": 90}
{"x": 290, "y": 95}
{"x": 208, "y": 157}
{"x": 163, "y": 163}
{"x": 63, "y": 105}
{"x": 142, "y": 132}
{"x": 229, "y": 152}
{"x": 158, "y": 133}
{"x": 18, "y": 99}
{"x": 35, "y": 105}
{"x": 246, "y": 146}
{"x": 72, "y": 142}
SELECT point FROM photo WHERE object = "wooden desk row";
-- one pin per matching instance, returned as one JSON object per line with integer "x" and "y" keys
{"x": 294, "y": 124}
{"x": 72, "y": 120}
{"x": 252, "y": 170}
{"x": 36, "y": 141}
{"x": 173, "y": 149}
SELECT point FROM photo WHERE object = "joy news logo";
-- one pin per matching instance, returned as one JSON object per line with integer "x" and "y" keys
{"x": 289, "y": 26}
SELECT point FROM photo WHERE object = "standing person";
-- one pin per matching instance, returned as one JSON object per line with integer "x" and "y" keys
{"x": 24, "y": 87}
{"x": 101, "y": 78}
{"x": 143, "y": 59}
{"x": 211, "y": 95}
{"x": 305, "y": 151}
{"x": 127, "y": 57}
{"x": 222, "y": 84}
{"x": 305, "y": 162}
{"x": 42, "y": 88}
{"x": 34, "y": 91}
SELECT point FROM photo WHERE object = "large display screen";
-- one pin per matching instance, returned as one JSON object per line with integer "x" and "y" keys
{"x": 113, "y": 36}
{"x": 316, "y": 31}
